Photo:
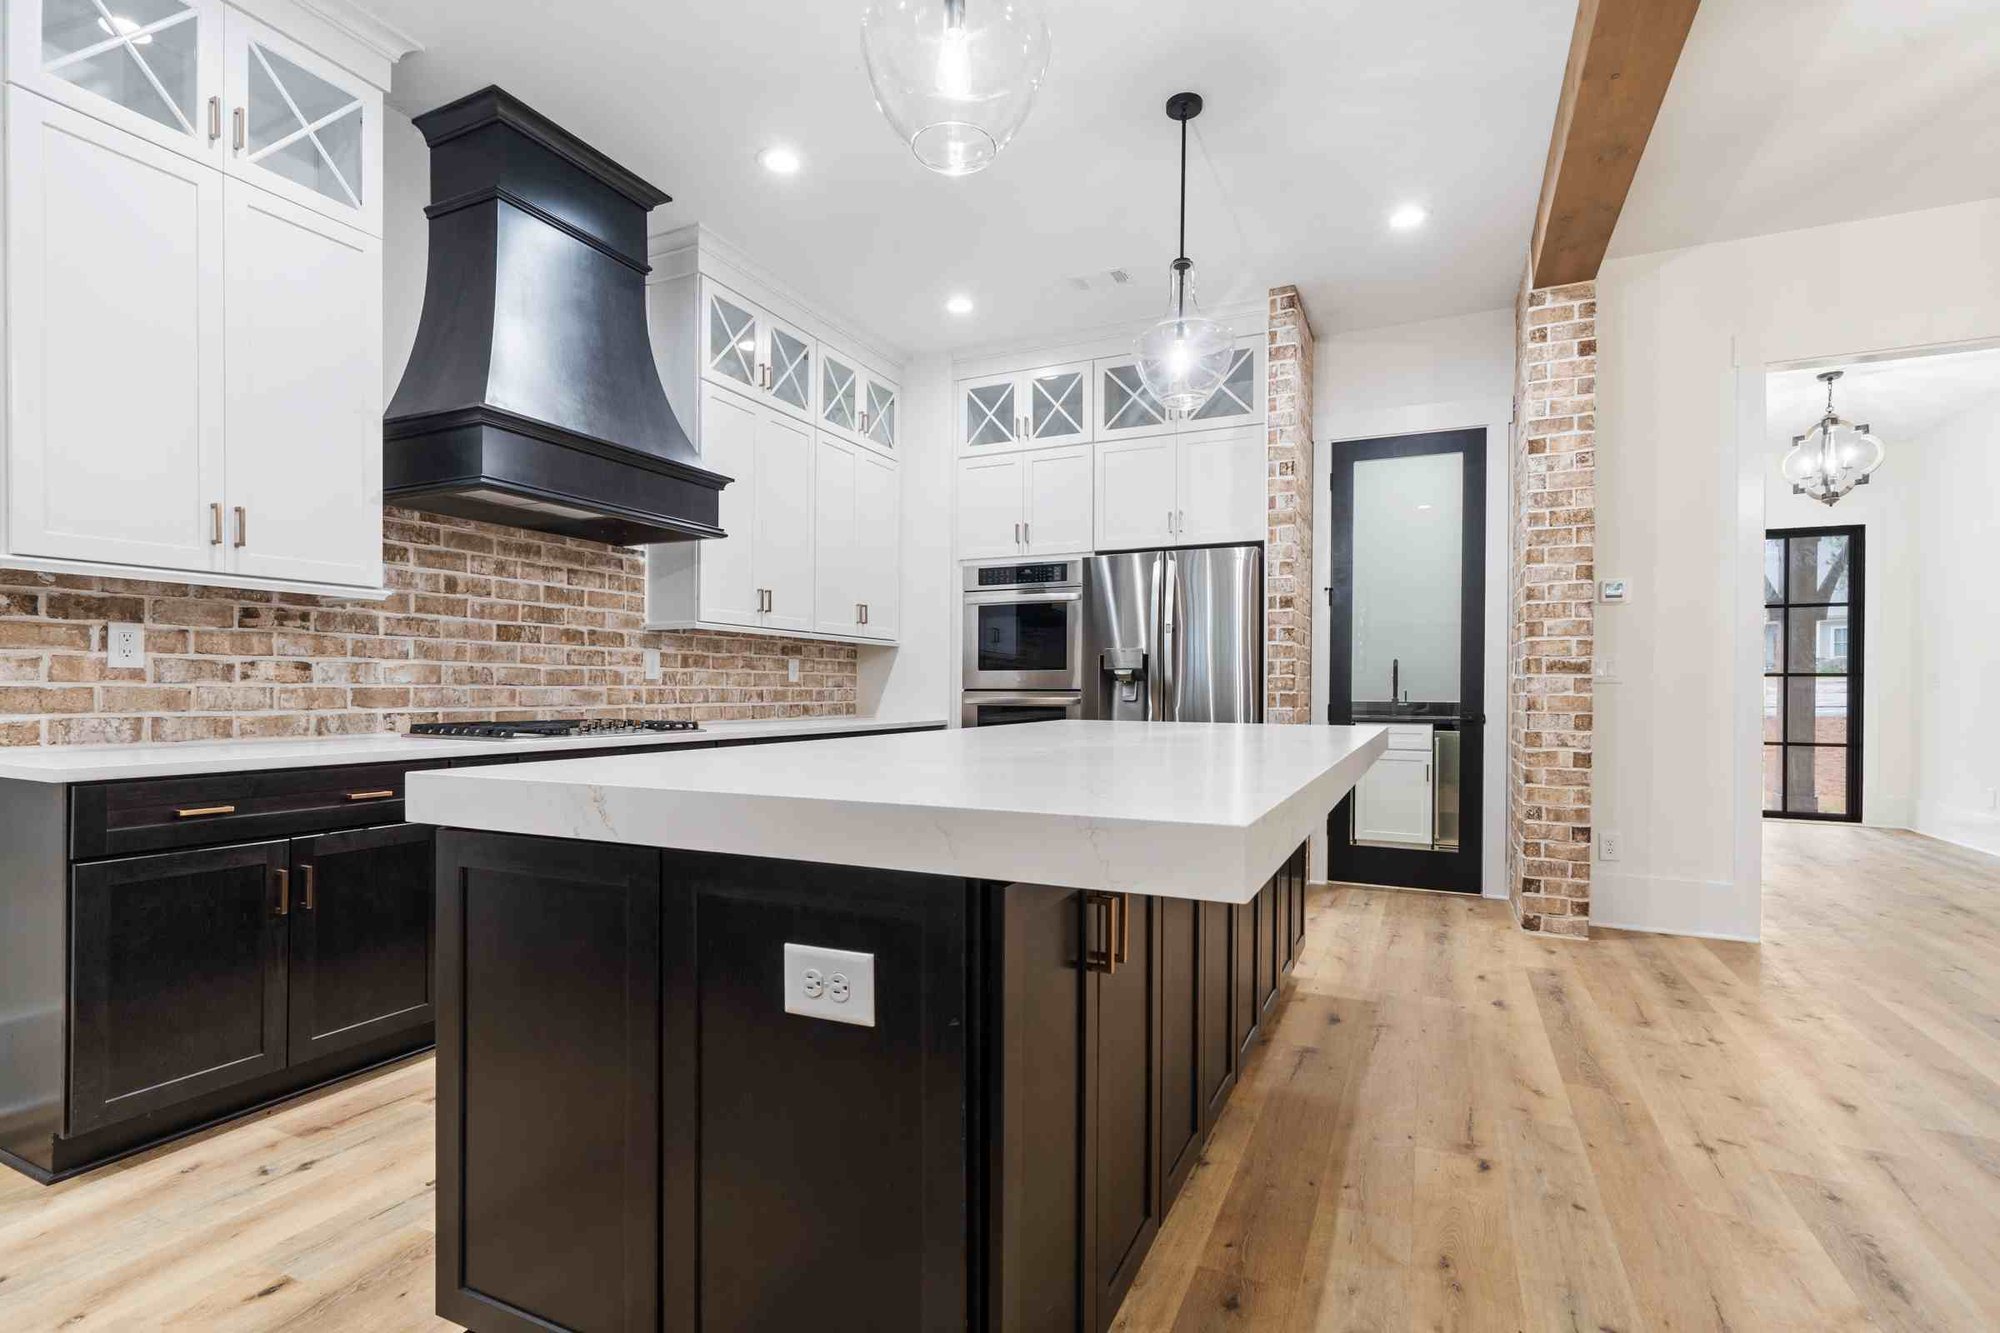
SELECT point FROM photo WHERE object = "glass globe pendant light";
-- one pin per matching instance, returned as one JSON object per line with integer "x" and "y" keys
{"x": 955, "y": 78}
{"x": 1834, "y": 456}
{"x": 1184, "y": 357}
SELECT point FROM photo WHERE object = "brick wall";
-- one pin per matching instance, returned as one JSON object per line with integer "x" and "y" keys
{"x": 1553, "y": 574}
{"x": 1288, "y": 550}
{"x": 481, "y": 622}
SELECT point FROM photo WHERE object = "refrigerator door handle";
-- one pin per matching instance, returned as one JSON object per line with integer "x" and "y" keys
{"x": 1170, "y": 667}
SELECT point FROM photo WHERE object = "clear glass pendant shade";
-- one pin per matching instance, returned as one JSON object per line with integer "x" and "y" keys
{"x": 1184, "y": 357}
{"x": 1834, "y": 456}
{"x": 956, "y": 78}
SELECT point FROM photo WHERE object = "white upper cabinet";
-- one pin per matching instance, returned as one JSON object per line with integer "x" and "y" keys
{"x": 300, "y": 126}
{"x": 1192, "y": 489}
{"x": 856, "y": 403}
{"x": 149, "y": 67}
{"x": 1027, "y": 503}
{"x": 114, "y": 307}
{"x": 761, "y": 574}
{"x": 878, "y": 546}
{"x": 1025, "y": 409}
{"x": 303, "y": 299}
{"x": 783, "y": 527}
{"x": 728, "y": 585}
{"x": 747, "y": 348}
{"x": 1127, "y": 409}
{"x": 857, "y": 514}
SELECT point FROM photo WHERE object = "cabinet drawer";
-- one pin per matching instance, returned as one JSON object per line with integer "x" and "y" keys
{"x": 1410, "y": 738}
{"x": 121, "y": 818}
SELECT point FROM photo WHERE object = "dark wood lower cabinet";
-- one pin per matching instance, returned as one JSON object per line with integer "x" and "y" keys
{"x": 360, "y": 937}
{"x": 177, "y": 978}
{"x": 635, "y": 1134}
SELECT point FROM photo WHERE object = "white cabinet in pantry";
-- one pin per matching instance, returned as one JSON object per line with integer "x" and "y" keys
{"x": 857, "y": 516}
{"x": 1025, "y": 409}
{"x": 1029, "y": 503}
{"x": 195, "y": 367}
{"x": 1393, "y": 802}
{"x": 1181, "y": 490}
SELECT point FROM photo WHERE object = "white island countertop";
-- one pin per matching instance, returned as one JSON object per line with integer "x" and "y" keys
{"x": 111, "y": 763}
{"x": 1182, "y": 810}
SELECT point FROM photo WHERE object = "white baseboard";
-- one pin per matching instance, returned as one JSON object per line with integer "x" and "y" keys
{"x": 1977, "y": 830}
{"x": 1662, "y": 905}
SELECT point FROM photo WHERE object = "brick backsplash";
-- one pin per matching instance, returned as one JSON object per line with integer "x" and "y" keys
{"x": 481, "y": 622}
{"x": 1553, "y": 558}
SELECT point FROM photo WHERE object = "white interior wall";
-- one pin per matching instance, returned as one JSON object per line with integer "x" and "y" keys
{"x": 1957, "y": 610}
{"x": 1441, "y": 374}
{"x": 1886, "y": 509}
{"x": 1685, "y": 339}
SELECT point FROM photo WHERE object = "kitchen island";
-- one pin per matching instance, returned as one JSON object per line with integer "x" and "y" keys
{"x": 891, "y": 1032}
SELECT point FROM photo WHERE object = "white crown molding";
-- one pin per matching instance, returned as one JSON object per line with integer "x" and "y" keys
{"x": 1248, "y": 317}
{"x": 379, "y": 35}
{"x": 664, "y": 248}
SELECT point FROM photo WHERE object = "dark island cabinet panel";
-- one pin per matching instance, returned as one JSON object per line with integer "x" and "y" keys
{"x": 360, "y": 937}
{"x": 1182, "y": 1104}
{"x": 1215, "y": 1003}
{"x": 833, "y": 1156}
{"x": 177, "y": 978}
{"x": 548, "y": 1083}
{"x": 1121, "y": 1104}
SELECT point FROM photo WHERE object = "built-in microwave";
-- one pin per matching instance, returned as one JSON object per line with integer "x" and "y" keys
{"x": 1023, "y": 627}
{"x": 1005, "y": 708}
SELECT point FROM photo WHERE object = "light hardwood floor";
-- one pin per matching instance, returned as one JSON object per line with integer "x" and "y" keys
{"x": 1449, "y": 1126}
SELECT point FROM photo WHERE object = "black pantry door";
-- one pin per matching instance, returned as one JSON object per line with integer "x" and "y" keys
{"x": 1406, "y": 647}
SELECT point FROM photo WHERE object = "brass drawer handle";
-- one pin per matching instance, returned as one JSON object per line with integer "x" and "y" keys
{"x": 200, "y": 810}
{"x": 370, "y": 795}
{"x": 284, "y": 892}
{"x": 312, "y": 886}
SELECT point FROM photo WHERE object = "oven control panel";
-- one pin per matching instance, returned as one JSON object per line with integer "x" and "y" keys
{"x": 1022, "y": 576}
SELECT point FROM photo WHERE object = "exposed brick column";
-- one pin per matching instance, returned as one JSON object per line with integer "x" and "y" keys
{"x": 1288, "y": 548}
{"x": 1553, "y": 454}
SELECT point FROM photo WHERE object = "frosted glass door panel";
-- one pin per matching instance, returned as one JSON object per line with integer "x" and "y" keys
{"x": 839, "y": 395}
{"x": 144, "y": 65}
{"x": 731, "y": 332}
{"x": 881, "y": 414}
{"x": 301, "y": 126}
{"x": 1408, "y": 565}
{"x": 791, "y": 369}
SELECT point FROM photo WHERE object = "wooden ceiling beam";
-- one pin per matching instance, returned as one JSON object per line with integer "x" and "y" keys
{"x": 1621, "y": 58}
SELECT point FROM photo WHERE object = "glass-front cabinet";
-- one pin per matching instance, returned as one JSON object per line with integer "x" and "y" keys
{"x": 1023, "y": 409}
{"x": 150, "y": 67}
{"x": 300, "y": 126}
{"x": 747, "y": 348}
{"x": 1126, "y": 409}
{"x": 856, "y": 402}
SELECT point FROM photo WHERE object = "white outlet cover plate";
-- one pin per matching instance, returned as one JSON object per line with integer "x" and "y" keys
{"x": 125, "y": 645}
{"x": 859, "y": 970}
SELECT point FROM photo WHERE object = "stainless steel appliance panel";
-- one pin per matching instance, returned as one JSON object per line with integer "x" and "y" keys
{"x": 1175, "y": 635}
{"x": 1023, "y": 626}
{"x": 1121, "y": 598}
{"x": 1003, "y": 708}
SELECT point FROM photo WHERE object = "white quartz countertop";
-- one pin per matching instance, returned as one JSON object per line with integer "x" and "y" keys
{"x": 1185, "y": 810}
{"x": 104, "y": 763}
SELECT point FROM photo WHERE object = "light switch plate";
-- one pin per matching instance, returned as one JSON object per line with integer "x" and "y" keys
{"x": 792, "y": 670}
{"x": 125, "y": 645}
{"x": 835, "y": 984}
{"x": 652, "y": 664}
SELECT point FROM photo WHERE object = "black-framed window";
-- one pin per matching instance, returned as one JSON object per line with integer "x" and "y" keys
{"x": 1813, "y": 612}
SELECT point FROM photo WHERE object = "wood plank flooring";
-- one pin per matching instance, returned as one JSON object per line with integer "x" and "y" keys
{"x": 1449, "y": 1125}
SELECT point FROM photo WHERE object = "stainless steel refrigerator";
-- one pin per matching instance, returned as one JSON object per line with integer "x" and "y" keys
{"x": 1174, "y": 636}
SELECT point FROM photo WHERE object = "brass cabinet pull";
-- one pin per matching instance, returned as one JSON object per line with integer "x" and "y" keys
{"x": 284, "y": 892}
{"x": 242, "y": 527}
{"x": 198, "y": 811}
{"x": 312, "y": 886}
{"x": 1111, "y": 919}
{"x": 1124, "y": 906}
{"x": 215, "y": 525}
{"x": 370, "y": 795}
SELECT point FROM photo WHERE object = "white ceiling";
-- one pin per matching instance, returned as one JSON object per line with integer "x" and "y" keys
{"x": 1798, "y": 113}
{"x": 1322, "y": 116}
{"x": 1900, "y": 400}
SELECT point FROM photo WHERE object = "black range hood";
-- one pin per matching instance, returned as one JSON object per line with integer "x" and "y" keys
{"x": 531, "y": 397}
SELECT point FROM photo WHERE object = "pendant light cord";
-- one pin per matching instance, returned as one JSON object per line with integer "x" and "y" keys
{"x": 1181, "y": 264}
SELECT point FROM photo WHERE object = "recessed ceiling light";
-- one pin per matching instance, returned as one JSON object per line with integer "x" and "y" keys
{"x": 958, "y": 305}
{"x": 1423, "y": 506}
{"x": 1408, "y": 216}
{"x": 779, "y": 160}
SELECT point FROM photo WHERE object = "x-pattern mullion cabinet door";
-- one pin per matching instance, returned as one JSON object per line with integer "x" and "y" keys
{"x": 114, "y": 299}
{"x": 1126, "y": 409}
{"x": 300, "y": 126}
{"x": 1241, "y": 395}
{"x": 879, "y": 408}
{"x": 149, "y": 67}
{"x": 1055, "y": 404}
{"x": 789, "y": 357}
{"x": 857, "y": 403}
{"x": 990, "y": 414}
{"x": 732, "y": 339}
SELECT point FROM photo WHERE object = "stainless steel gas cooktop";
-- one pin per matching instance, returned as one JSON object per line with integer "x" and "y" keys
{"x": 594, "y": 726}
